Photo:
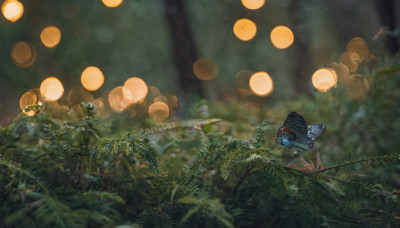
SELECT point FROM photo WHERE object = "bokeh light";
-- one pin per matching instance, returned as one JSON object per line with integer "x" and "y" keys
{"x": 159, "y": 111}
{"x": 324, "y": 79}
{"x": 36, "y": 91}
{"x": 117, "y": 99}
{"x": 358, "y": 45}
{"x": 205, "y": 69}
{"x": 342, "y": 72}
{"x": 282, "y": 37}
{"x": 50, "y": 36}
{"x": 112, "y": 3}
{"x": 261, "y": 84}
{"x": 242, "y": 79}
{"x": 253, "y": 4}
{"x": 12, "y": 10}
{"x": 92, "y": 78}
{"x": 163, "y": 99}
{"x": 26, "y": 99}
{"x": 137, "y": 89}
{"x": 244, "y": 29}
{"x": 173, "y": 102}
{"x": 98, "y": 106}
{"x": 23, "y": 54}
{"x": 351, "y": 60}
{"x": 51, "y": 89}
{"x": 153, "y": 93}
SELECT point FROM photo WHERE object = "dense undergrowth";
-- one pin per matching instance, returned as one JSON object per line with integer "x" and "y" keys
{"x": 211, "y": 172}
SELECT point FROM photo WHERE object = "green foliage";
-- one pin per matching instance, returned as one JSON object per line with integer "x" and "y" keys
{"x": 205, "y": 207}
{"x": 81, "y": 173}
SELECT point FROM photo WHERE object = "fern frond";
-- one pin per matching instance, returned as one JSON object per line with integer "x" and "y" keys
{"x": 106, "y": 196}
{"x": 230, "y": 161}
{"x": 130, "y": 146}
{"x": 206, "y": 207}
{"x": 148, "y": 153}
{"x": 188, "y": 187}
{"x": 197, "y": 124}
{"x": 261, "y": 131}
{"x": 25, "y": 173}
{"x": 197, "y": 160}
{"x": 52, "y": 213}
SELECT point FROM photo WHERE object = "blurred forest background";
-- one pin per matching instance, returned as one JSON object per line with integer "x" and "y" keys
{"x": 160, "y": 40}
{"x": 164, "y": 113}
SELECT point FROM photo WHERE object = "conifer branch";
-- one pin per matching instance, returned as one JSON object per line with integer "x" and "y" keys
{"x": 370, "y": 159}
{"x": 240, "y": 181}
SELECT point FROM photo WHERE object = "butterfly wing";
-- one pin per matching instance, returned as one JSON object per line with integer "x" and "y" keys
{"x": 315, "y": 130}
{"x": 303, "y": 143}
{"x": 296, "y": 123}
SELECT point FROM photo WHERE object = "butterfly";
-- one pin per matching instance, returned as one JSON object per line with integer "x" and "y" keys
{"x": 296, "y": 133}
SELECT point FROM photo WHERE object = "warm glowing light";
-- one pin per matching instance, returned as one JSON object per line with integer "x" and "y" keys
{"x": 342, "y": 72}
{"x": 261, "y": 84}
{"x": 173, "y": 101}
{"x": 153, "y": 93}
{"x": 205, "y": 69}
{"x": 117, "y": 98}
{"x": 112, "y": 3}
{"x": 50, "y": 36}
{"x": 242, "y": 82}
{"x": 23, "y": 54}
{"x": 244, "y": 29}
{"x": 137, "y": 89}
{"x": 163, "y": 99}
{"x": 12, "y": 10}
{"x": 358, "y": 45}
{"x": 92, "y": 78}
{"x": 324, "y": 79}
{"x": 98, "y": 105}
{"x": 159, "y": 111}
{"x": 351, "y": 60}
{"x": 281, "y": 37}
{"x": 51, "y": 89}
{"x": 28, "y": 98}
{"x": 36, "y": 91}
{"x": 253, "y": 4}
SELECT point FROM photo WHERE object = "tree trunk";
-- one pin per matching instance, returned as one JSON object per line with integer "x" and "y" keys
{"x": 386, "y": 13}
{"x": 183, "y": 48}
{"x": 303, "y": 63}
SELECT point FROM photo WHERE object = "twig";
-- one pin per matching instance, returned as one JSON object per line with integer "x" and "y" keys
{"x": 233, "y": 191}
{"x": 356, "y": 161}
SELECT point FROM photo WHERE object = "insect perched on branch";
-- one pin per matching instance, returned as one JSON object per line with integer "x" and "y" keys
{"x": 296, "y": 133}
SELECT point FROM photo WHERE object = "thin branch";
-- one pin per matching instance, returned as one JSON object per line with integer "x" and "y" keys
{"x": 357, "y": 161}
{"x": 233, "y": 191}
